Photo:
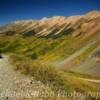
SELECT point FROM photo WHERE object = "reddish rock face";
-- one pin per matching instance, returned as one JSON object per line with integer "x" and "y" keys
{"x": 88, "y": 24}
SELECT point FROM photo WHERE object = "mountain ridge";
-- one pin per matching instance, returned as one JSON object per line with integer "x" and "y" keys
{"x": 56, "y": 24}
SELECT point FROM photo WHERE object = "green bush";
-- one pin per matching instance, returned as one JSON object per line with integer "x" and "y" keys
{"x": 34, "y": 56}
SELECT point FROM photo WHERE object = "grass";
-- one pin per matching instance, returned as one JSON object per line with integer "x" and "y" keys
{"x": 29, "y": 54}
{"x": 82, "y": 75}
{"x": 55, "y": 78}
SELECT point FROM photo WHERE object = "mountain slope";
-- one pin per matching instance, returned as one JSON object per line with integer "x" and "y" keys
{"x": 50, "y": 48}
{"x": 53, "y": 39}
{"x": 58, "y": 25}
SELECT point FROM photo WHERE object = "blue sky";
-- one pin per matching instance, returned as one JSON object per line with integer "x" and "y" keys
{"x": 12, "y": 10}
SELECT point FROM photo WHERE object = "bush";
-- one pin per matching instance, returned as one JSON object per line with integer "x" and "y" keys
{"x": 34, "y": 56}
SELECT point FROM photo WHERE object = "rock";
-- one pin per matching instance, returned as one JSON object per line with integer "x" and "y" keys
{"x": 7, "y": 98}
{"x": 1, "y": 56}
{"x": 96, "y": 54}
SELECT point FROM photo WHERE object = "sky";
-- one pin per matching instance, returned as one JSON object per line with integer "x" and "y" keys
{"x": 14, "y": 10}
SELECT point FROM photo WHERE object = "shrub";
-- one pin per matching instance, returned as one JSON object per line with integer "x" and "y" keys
{"x": 34, "y": 56}
{"x": 57, "y": 79}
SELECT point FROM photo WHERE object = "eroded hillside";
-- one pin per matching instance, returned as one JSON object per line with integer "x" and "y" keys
{"x": 50, "y": 48}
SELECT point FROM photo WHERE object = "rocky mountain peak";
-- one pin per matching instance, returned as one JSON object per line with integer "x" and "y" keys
{"x": 93, "y": 14}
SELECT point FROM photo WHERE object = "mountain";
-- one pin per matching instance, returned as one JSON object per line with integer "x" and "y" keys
{"x": 67, "y": 35}
{"x": 55, "y": 49}
{"x": 57, "y": 25}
